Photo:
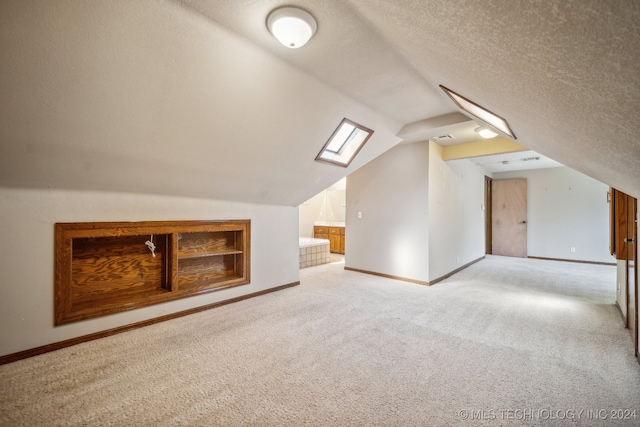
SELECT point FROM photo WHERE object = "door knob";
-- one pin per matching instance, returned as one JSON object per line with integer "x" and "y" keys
{"x": 628, "y": 240}
{"x": 523, "y": 222}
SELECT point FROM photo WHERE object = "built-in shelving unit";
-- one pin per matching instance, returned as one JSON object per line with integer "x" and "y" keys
{"x": 107, "y": 267}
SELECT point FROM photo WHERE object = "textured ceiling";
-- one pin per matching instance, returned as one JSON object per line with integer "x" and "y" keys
{"x": 566, "y": 75}
{"x": 195, "y": 97}
{"x": 515, "y": 161}
{"x": 346, "y": 52}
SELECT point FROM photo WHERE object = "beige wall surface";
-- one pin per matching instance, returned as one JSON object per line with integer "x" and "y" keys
{"x": 327, "y": 206}
{"x": 566, "y": 209}
{"x": 422, "y": 217}
{"x": 456, "y": 213}
{"x": 27, "y": 255}
{"x": 621, "y": 286}
{"x": 392, "y": 236}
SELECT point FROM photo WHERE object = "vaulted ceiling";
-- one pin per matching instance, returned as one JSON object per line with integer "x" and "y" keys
{"x": 196, "y": 98}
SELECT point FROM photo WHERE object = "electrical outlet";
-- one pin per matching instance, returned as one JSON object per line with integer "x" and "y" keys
{"x": 359, "y": 215}
{"x": 573, "y": 250}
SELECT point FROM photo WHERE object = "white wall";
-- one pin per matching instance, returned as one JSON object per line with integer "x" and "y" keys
{"x": 392, "y": 237}
{"x": 327, "y": 206}
{"x": 621, "y": 286}
{"x": 422, "y": 217}
{"x": 456, "y": 215}
{"x": 311, "y": 211}
{"x": 565, "y": 209}
{"x": 27, "y": 219}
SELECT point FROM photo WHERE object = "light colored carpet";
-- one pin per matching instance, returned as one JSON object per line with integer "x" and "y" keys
{"x": 511, "y": 341}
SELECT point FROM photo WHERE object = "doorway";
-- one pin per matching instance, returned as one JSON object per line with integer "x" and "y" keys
{"x": 508, "y": 217}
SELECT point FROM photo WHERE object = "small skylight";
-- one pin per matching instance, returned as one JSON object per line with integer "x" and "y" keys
{"x": 344, "y": 144}
{"x": 480, "y": 112}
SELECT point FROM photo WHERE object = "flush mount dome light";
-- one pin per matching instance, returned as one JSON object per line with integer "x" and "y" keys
{"x": 292, "y": 27}
{"x": 486, "y": 133}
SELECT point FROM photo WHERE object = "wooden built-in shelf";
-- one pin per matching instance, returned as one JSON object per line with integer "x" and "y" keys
{"x": 108, "y": 267}
{"x": 209, "y": 255}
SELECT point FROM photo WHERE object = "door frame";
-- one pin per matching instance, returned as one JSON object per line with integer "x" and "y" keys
{"x": 631, "y": 256}
{"x": 488, "y": 230}
{"x": 634, "y": 221}
{"x": 624, "y": 227}
{"x": 512, "y": 195}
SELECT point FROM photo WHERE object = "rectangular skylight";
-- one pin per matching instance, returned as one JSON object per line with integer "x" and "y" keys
{"x": 481, "y": 113}
{"x": 344, "y": 144}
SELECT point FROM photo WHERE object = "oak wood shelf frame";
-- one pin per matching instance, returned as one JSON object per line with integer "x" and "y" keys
{"x": 108, "y": 267}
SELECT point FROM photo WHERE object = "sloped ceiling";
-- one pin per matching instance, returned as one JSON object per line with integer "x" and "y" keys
{"x": 566, "y": 75}
{"x": 196, "y": 98}
{"x": 153, "y": 97}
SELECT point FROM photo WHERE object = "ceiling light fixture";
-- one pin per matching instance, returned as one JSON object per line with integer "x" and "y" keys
{"x": 292, "y": 27}
{"x": 486, "y": 133}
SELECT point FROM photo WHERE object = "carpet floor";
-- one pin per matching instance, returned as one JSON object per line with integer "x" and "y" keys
{"x": 506, "y": 341}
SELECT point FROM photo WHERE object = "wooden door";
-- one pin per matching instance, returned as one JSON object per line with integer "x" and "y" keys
{"x": 509, "y": 217}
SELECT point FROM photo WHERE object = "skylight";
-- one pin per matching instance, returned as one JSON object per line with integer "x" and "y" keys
{"x": 480, "y": 112}
{"x": 344, "y": 144}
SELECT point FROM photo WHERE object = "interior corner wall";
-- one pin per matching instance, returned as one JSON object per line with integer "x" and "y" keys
{"x": 27, "y": 255}
{"x": 565, "y": 209}
{"x": 326, "y": 206}
{"x": 390, "y": 192}
{"x": 456, "y": 213}
{"x": 310, "y": 211}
